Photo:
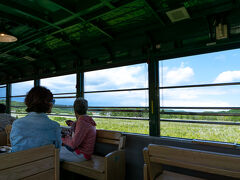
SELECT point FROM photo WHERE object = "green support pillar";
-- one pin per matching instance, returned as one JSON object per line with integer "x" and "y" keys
{"x": 80, "y": 84}
{"x": 36, "y": 82}
{"x": 153, "y": 83}
{"x": 8, "y": 98}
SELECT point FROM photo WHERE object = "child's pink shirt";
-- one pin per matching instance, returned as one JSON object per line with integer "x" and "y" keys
{"x": 84, "y": 137}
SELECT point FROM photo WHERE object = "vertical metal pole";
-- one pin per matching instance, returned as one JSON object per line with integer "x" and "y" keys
{"x": 8, "y": 98}
{"x": 153, "y": 83}
{"x": 36, "y": 82}
{"x": 80, "y": 84}
{"x": 79, "y": 79}
{"x": 36, "y": 75}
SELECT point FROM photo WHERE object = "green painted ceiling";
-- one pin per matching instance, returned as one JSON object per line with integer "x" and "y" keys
{"x": 60, "y": 36}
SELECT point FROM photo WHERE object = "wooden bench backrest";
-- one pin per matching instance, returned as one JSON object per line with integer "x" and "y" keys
{"x": 204, "y": 161}
{"x": 36, "y": 163}
{"x": 103, "y": 136}
{"x": 8, "y": 129}
{"x": 111, "y": 137}
{"x": 3, "y": 138}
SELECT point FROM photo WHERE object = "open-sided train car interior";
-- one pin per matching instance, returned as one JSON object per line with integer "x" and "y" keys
{"x": 162, "y": 79}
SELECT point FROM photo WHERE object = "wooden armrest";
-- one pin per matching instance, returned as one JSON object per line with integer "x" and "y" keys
{"x": 115, "y": 153}
{"x": 145, "y": 172}
{"x": 115, "y": 165}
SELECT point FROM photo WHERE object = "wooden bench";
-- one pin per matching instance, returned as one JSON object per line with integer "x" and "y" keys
{"x": 155, "y": 156}
{"x": 3, "y": 138}
{"x": 34, "y": 164}
{"x": 8, "y": 129}
{"x": 111, "y": 166}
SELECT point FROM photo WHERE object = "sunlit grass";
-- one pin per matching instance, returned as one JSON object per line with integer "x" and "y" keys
{"x": 223, "y": 133}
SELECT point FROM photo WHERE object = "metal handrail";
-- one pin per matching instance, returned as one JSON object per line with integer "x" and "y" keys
{"x": 18, "y": 96}
{"x": 53, "y": 95}
{"x": 64, "y": 97}
{"x": 200, "y": 122}
{"x": 117, "y": 90}
{"x": 97, "y": 108}
{"x": 63, "y": 93}
{"x": 168, "y": 107}
{"x": 114, "y": 110}
{"x": 200, "y": 85}
{"x": 106, "y": 117}
{"x": 137, "y": 107}
{"x": 147, "y": 119}
{"x": 117, "y": 107}
{"x": 201, "y": 113}
{"x": 125, "y": 109}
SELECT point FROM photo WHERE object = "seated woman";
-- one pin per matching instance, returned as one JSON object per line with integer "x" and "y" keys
{"x": 36, "y": 129}
{"x": 80, "y": 146}
{"x": 5, "y": 119}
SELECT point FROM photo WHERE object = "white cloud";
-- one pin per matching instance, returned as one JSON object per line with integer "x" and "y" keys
{"x": 227, "y": 76}
{"x": 191, "y": 93}
{"x": 199, "y": 97}
{"x": 116, "y": 78}
{"x": 21, "y": 88}
{"x": 198, "y": 103}
{"x": 60, "y": 84}
{"x": 129, "y": 98}
{"x": 126, "y": 77}
{"x": 178, "y": 75}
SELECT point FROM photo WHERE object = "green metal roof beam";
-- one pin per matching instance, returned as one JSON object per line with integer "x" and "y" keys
{"x": 149, "y": 7}
{"x": 8, "y": 9}
{"x": 11, "y": 10}
{"x": 113, "y": 10}
{"x": 56, "y": 23}
{"x": 64, "y": 21}
{"x": 108, "y": 4}
{"x": 79, "y": 14}
{"x": 83, "y": 20}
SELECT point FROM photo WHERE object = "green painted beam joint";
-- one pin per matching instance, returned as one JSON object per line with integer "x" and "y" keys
{"x": 153, "y": 83}
{"x": 8, "y": 98}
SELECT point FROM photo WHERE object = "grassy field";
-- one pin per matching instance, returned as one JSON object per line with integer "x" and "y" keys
{"x": 224, "y": 133}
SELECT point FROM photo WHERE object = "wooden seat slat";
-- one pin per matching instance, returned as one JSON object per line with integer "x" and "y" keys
{"x": 207, "y": 169}
{"x": 197, "y": 157}
{"x": 23, "y": 157}
{"x": 46, "y": 175}
{"x": 83, "y": 171}
{"x": 28, "y": 169}
{"x": 36, "y": 163}
{"x": 168, "y": 175}
{"x": 108, "y": 134}
{"x": 155, "y": 156}
{"x": 95, "y": 164}
{"x": 107, "y": 141}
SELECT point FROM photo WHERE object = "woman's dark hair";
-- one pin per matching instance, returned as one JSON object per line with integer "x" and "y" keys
{"x": 80, "y": 106}
{"x": 2, "y": 108}
{"x": 38, "y": 100}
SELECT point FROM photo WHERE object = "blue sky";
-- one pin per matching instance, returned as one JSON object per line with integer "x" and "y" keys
{"x": 220, "y": 67}
{"x": 201, "y": 69}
